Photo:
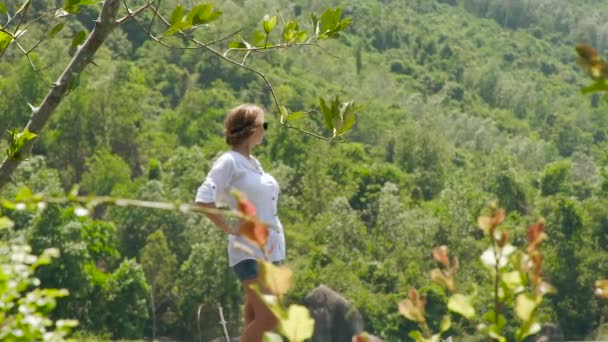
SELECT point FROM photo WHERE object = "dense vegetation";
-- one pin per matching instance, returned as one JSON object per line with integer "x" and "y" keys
{"x": 467, "y": 102}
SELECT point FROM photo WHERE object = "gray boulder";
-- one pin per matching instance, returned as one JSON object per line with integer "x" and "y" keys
{"x": 336, "y": 319}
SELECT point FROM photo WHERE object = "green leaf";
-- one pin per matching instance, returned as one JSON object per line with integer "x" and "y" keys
{"x": 236, "y": 44}
{"x": 501, "y": 322}
{"x": 330, "y": 19}
{"x": 24, "y": 194}
{"x": 529, "y": 328}
{"x": 202, "y": 14}
{"x": 79, "y": 39}
{"x": 461, "y": 304}
{"x": 446, "y": 323}
{"x": 294, "y": 116}
{"x": 272, "y": 337}
{"x": 5, "y": 223}
{"x": 298, "y": 326}
{"x": 417, "y": 336}
{"x": 198, "y": 11}
{"x": 73, "y": 6}
{"x": 257, "y": 37}
{"x": 315, "y": 23}
{"x": 327, "y": 114}
{"x": 269, "y": 23}
{"x": 525, "y": 305}
{"x": 178, "y": 15}
{"x": 513, "y": 280}
{"x": 8, "y": 204}
{"x": 600, "y": 85}
{"x": 284, "y": 113}
{"x": 3, "y": 8}
{"x": 56, "y": 29}
{"x": 5, "y": 40}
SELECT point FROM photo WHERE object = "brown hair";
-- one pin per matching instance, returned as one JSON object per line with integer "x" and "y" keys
{"x": 240, "y": 123}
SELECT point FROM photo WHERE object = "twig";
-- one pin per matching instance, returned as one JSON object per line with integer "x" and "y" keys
{"x": 198, "y": 321}
{"x": 223, "y": 323}
{"x": 132, "y": 14}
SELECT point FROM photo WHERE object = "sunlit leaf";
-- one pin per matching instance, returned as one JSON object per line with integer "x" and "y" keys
{"x": 461, "y": 304}
{"x": 269, "y": 23}
{"x": 528, "y": 329}
{"x": 257, "y": 38}
{"x": 272, "y": 337}
{"x": 417, "y": 336}
{"x": 5, "y": 223}
{"x": 177, "y": 15}
{"x": 601, "y": 288}
{"x": 545, "y": 288}
{"x": 413, "y": 307}
{"x": 513, "y": 280}
{"x": 276, "y": 279}
{"x": 237, "y": 44}
{"x": 440, "y": 254}
{"x": 446, "y": 323}
{"x": 294, "y": 116}
{"x": 438, "y": 277}
{"x": 525, "y": 305}
{"x": 600, "y": 85}
{"x": 5, "y": 41}
{"x": 298, "y": 326}
{"x": 3, "y": 8}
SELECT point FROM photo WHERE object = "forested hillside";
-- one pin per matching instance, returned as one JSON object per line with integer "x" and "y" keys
{"x": 466, "y": 102}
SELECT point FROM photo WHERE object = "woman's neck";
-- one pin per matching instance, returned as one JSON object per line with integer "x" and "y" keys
{"x": 244, "y": 149}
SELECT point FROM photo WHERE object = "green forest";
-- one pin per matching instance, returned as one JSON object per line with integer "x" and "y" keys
{"x": 463, "y": 107}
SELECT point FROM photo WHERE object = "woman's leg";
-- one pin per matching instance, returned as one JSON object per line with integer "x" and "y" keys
{"x": 248, "y": 313}
{"x": 263, "y": 319}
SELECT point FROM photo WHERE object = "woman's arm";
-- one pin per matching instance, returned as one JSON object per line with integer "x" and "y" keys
{"x": 217, "y": 219}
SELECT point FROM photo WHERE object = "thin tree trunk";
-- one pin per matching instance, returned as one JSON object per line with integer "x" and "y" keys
{"x": 104, "y": 25}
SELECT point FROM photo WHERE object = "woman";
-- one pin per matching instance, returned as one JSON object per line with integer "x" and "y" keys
{"x": 237, "y": 169}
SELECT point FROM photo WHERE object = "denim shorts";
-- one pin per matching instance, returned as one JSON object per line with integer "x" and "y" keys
{"x": 248, "y": 269}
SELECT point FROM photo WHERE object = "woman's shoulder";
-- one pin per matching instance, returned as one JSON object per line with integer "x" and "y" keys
{"x": 224, "y": 158}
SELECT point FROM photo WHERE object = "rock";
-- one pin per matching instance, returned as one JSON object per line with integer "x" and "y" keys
{"x": 548, "y": 332}
{"x": 336, "y": 319}
{"x": 222, "y": 339}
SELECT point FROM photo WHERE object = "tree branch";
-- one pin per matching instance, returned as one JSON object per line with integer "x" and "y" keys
{"x": 132, "y": 14}
{"x": 104, "y": 25}
{"x": 241, "y": 65}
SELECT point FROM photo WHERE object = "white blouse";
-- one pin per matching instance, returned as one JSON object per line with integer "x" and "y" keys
{"x": 233, "y": 171}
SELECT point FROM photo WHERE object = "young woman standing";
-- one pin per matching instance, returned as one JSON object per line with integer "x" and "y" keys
{"x": 238, "y": 169}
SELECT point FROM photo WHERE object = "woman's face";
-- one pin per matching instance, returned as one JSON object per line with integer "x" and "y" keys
{"x": 258, "y": 135}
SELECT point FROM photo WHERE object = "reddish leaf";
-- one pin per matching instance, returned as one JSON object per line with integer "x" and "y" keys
{"x": 498, "y": 217}
{"x": 590, "y": 59}
{"x": 362, "y": 337}
{"x": 536, "y": 235}
{"x": 245, "y": 206}
{"x": 255, "y": 232}
{"x": 441, "y": 255}
{"x": 601, "y": 288}
{"x": 250, "y": 227}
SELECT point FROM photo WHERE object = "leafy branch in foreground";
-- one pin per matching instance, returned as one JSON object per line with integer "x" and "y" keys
{"x": 518, "y": 282}
{"x": 24, "y": 307}
{"x": 295, "y": 322}
{"x": 595, "y": 66}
